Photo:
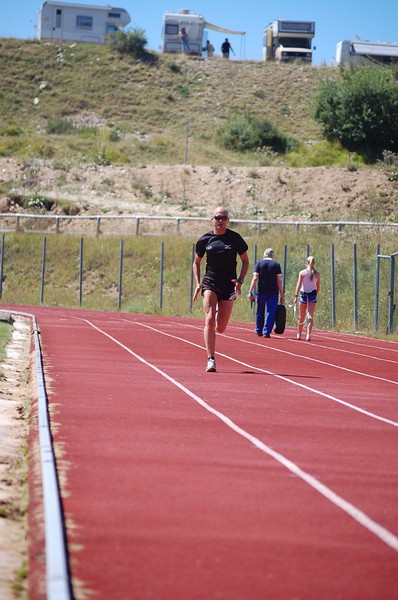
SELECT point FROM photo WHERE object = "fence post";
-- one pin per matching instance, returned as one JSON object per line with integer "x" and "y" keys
{"x": 192, "y": 281}
{"x": 355, "y": 265}
{"x": 376, "y": 290}
{"x": 2, "y": 265}
{"x": 81, "y": 273}
{"x": 161, "y": 276}
{"x": 391, "y": 305}
{"x": 43, "y": 268}
{"x": 119, "y": 302}
{"x": 332, "y": 285}
{"x": 284, "y": 267}
{"x": 186, "y": 141}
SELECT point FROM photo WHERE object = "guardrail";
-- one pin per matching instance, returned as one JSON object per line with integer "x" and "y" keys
{"x": 57, "y": 220}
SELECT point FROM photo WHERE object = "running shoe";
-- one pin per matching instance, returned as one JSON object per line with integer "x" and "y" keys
{"x": 298, "y": 335}
{"x": 308, "y": 338}
{"x": 211, "y": 365}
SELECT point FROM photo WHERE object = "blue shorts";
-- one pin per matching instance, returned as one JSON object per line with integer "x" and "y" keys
{"x": 308, "y": 297}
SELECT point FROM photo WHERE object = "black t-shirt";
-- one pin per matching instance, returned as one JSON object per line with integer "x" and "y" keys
{"x": 221, "y": 253}
{"x": 268, "y": 270}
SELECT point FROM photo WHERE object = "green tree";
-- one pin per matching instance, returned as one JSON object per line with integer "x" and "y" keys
{"x": 360, "y": 110}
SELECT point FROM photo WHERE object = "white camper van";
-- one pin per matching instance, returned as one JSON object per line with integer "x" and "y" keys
{"x": 359, "y": 52}
{"x": 194, "y": 25}
{"x": 79, "y": 22}
{"x": 285, "y": 41}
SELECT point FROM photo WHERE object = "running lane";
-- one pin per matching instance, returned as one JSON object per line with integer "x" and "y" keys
{"x": 275, "y": 477}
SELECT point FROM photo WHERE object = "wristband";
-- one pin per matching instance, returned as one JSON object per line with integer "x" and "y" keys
{"x": 240, "y": 280}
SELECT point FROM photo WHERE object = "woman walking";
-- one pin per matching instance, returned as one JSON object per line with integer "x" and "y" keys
{"x": 308, "y": 286}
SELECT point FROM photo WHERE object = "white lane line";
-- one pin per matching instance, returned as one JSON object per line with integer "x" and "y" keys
{"x": 296, "y": 355}
{"x": 291, "y": 381}
{"x": 362, "y": 518}
{"x": 317, "y": 360}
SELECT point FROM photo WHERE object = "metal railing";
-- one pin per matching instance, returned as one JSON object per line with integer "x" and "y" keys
{"x": 17, "y": 223}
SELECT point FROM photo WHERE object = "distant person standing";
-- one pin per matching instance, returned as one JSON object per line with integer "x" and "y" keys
{"x": 307, "y": 289}
{"x": 226, "y": 48}
{"x": 209, "y": 49}
{"x": 267, "y": 276}
{"x": 185, "y": 47}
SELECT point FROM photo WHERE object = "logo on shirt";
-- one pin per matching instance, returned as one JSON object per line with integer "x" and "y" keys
{"x": 228, "y": 247}
{"x": 209, "y": 248}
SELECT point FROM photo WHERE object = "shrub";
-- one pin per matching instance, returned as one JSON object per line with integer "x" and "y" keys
{"x": 360, "y": 110}
{"x": 249, "y": 134}
{"x": 389, "y": 164}
{"x": 131, "y": 42}
{"x": 60, "y": 126}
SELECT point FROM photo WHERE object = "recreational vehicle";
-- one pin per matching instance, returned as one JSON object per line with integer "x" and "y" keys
{"x": 79, "y": 22}
{"x": 288, "y": 40}
{"x": 194, "y": 25}
{"x": 360, "y": 53}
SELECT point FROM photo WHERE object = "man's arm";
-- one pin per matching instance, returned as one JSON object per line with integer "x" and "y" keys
{"x": 196, "y": 275}
{"x": 245, "y": 265}
{"x": 280, "y": 288}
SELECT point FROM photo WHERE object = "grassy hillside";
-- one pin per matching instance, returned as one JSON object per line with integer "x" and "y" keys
{"x": 84, "y": 102}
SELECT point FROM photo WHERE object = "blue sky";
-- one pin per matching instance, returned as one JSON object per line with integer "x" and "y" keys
{"x": 373, "y": 20}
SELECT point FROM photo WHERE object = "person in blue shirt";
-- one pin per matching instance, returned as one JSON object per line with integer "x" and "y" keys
{"x": 267, "y": 276}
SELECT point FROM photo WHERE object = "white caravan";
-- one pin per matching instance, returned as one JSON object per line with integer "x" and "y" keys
{"x": 195, "y": 25}
{"x": 285, "y": 41}
{"x": 79, "y": 22}
{"x": 360, "y": 53}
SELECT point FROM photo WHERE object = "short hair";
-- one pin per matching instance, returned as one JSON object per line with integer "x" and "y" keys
{"x": 268, "y": 252}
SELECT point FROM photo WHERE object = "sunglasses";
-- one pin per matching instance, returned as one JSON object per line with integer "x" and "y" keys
{"x": 220, "y": 218}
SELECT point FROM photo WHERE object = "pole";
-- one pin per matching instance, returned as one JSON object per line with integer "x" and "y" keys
{"x": 186, "y": 141}
{"x": 355, "y": 287}
{"x": 81, "y": 273}
{"x": 119, "y": 302}
{"x": 2, "y": 265}
{"x": 284, "y": 268}
{"x": 376, "y": 290}
{"x": 192, "y": 281}
{"x": 391, "y": 295}
{"x": 332, "y": 285}
{"x": 161, "y": 276}
{"x": 43, "y": 267}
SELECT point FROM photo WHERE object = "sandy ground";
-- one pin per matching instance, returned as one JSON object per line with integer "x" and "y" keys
{"x": 319, "y": 193}
{"x": 13, "y": 470}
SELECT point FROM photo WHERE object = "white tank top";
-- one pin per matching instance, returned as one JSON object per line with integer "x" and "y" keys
{"x": 309, "y": 285}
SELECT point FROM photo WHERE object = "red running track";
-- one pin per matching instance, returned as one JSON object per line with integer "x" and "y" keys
{"x": 274, "y": 478}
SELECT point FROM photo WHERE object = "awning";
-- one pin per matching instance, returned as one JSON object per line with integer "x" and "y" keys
{"x": 223, "y": 30}
{"x": 371, "y": 49}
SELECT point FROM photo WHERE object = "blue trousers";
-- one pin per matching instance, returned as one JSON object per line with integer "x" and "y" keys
{"x": 269, "y": 302}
